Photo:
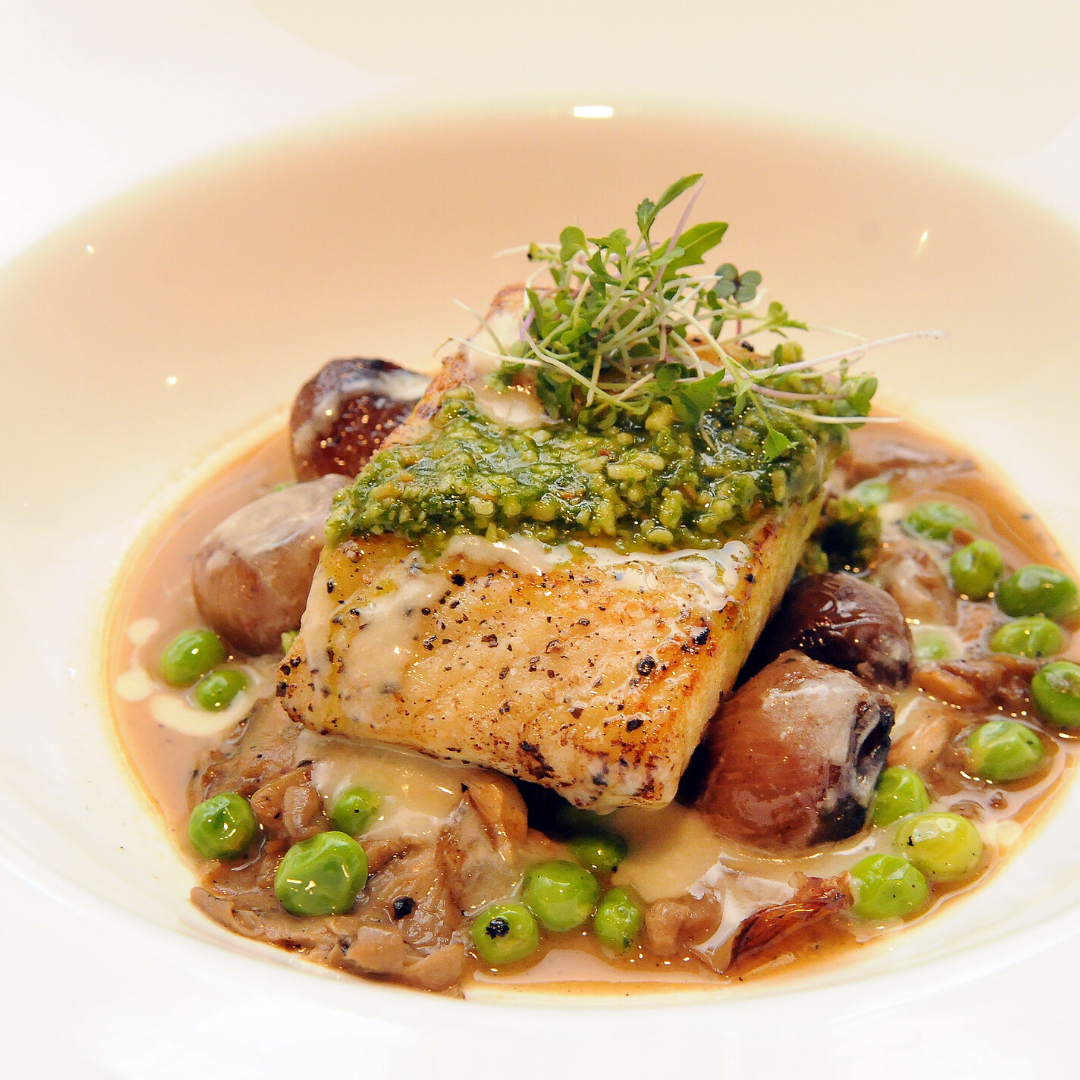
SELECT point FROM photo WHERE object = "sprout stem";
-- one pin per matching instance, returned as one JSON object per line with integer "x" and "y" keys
{"x": 857, "y": 351}
{"x": 614, "y": 312}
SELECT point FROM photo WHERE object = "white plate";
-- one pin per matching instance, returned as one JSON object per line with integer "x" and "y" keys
{"x": 144, "y": 335}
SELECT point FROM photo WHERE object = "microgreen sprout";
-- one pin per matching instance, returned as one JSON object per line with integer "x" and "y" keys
{"x": 622, "y": 325}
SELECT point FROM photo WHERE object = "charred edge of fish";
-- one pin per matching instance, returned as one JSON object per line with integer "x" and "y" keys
{"x": 539, "y": 768}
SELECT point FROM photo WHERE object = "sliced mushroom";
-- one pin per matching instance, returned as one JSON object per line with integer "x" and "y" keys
{"x": 477, "y": 845}
{"x": 253, "y": 573}
{"x": 290, "y": 806}
{"x": 1000, "y": 681}
{"x": 429, "y": 921}
{"x": 840, "y": 620}
{"x": 794, "y": 756}
{"x": 674, "y": 924}
{"x": 260, "y": 749}
{"x": 817, "y": 899}
{"x": 932, "y": 745}
{"x": 908, "y": 573}
{"x": 374, "y": 950}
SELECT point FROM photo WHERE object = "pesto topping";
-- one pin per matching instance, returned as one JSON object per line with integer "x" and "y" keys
{"x": 653, "y": 484}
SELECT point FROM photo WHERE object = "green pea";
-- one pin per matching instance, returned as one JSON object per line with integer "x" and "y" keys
{"x": 936, "y": 520}
{"x": 617, "y": 921}
{"x": 561, "y": 894}
{"x": 322, "y": 875}
{"x": 599, "y": 851}
{"x": 222, "y": 827}
{"x": 354, "y": 810}
{"x": 870, "y": 493}
{"x": 217, "y": 689}
{"x": 503, "y": 933}
{"x": 190, "y": 655}
{"x": 287, "y": 639}
{"x": 1033, "y": 636}
{"x": 931, "y": 645}
{"x": 1056, "y": 690}
{"x": 1004, "y": 750}
{"x": 887, "y": 887}
{"x": 975, "y": 569}
{"x": 900, "y": 792}
{"x": 945, "y": 847}
{"x": 1038, "y": 590}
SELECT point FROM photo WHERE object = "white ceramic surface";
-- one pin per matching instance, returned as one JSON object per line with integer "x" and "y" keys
{"x": 207, "y": 276}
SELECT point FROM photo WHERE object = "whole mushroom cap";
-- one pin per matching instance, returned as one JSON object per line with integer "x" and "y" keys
{"x": 794, "y": 755}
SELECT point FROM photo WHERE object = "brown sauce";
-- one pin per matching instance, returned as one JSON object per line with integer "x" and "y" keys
{"x": 154, "y": 601}
{"x": 156, "y": 585}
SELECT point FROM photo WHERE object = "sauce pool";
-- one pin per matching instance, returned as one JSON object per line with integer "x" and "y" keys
{"x": 670, "y": 848}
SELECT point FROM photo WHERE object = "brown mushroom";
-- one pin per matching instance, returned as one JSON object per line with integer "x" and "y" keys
{"x": 840, "y": 620}
{"x": 477, "y": 845}
{"x": 341, "y": 416}
{"x": 794, "y": 756}
{"x": 252, "y": 574}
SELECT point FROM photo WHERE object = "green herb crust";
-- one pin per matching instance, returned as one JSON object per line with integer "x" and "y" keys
{"x": 656, "y": 483}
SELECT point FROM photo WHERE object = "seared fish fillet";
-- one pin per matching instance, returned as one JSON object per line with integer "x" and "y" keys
{"x": 594, "y": 675}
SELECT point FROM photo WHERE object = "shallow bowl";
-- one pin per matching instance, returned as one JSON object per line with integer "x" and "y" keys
{"x": 153, "y": 338}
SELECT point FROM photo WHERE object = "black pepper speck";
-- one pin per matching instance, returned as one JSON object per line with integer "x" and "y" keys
{"x": 646, "y": 665}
